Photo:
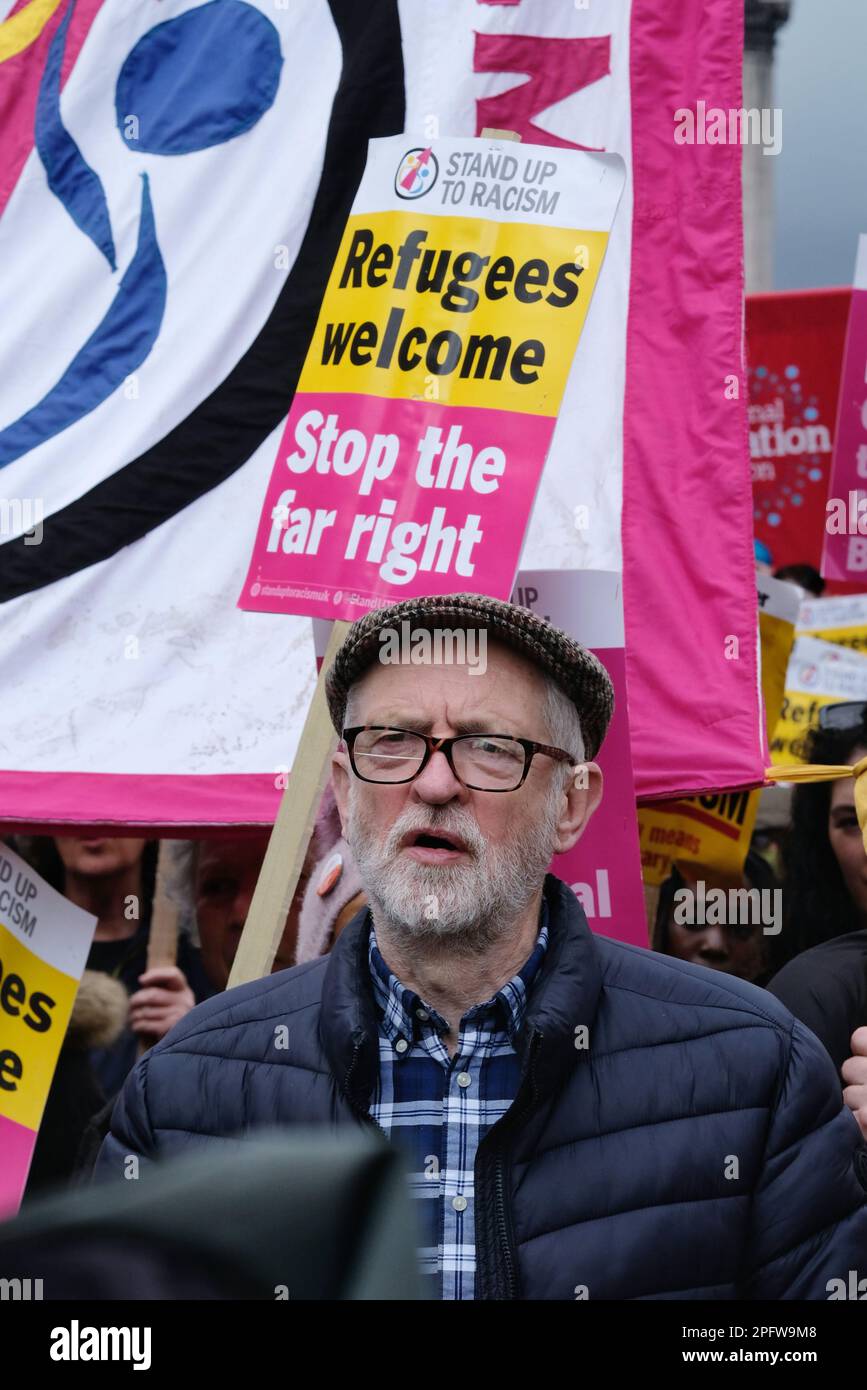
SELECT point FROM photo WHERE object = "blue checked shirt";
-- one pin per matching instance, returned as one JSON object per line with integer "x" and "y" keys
{"x": 438, "y": 1109}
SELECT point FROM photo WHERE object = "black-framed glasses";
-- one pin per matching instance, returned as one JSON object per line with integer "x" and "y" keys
{"x": 839, "y": 718}
{"x": 481, "y": 762}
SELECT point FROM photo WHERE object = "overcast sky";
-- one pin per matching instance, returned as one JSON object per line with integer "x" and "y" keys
{"x": 821, "y": 170}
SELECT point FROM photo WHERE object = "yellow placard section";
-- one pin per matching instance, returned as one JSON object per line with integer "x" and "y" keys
{"x": 798, "y": 715}
{"x": 777, "y": 638}
{"x": 456, "y": 310}
{"x": 855, "y": 637}
{"x": 35, "y": 1004}
{"x": 713, "y": 831}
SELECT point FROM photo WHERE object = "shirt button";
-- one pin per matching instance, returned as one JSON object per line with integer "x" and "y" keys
{"x": 459, "y": 1203}
{"x": 422, "y": 1014}
{"x": 401, "y": 1045}
{"x": 464, "y": 1079}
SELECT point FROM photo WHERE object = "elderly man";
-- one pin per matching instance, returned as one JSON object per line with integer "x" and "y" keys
{"x": 582, "y": 1118}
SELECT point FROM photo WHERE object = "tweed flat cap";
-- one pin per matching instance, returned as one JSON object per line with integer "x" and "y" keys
{"x": 576, "y": 670}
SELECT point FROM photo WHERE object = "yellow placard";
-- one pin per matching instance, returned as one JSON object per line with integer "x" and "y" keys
{"x": 777, "y": 637}
{"x": 798, "y": 715}
{"x": 454, "y": 309}
{"x": 35, "y": 1004}
{"x": 855, "y": 637}
{"x": 713, "y": 831}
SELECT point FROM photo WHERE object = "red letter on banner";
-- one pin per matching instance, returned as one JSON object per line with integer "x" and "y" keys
{"x": 556, "y": 67}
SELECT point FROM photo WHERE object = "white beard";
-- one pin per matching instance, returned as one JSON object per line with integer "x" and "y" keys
{"x": 471, "y": 904}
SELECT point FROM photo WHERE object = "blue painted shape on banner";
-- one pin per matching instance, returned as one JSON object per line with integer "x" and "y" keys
{"x": 116, "y": 347}
{"x": 70, "y": 178}
{"x": 198, "y": 80}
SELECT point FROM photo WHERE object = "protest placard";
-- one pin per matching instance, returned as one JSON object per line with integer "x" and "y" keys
{"x": 794, "y": 346}
{"x": 840, "y": 620}
{"x": 430, "y": 392}
{"x": 844, "y": 555}
{"x": 820, "y": 673}
{"x": 44, "y": 944}
{"x": 779, "y": 605}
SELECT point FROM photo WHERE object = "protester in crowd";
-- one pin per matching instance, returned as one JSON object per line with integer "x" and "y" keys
{"x": 825, "y": 986}
{"x": 763, "y": 559}
{"x": 569, "y": 1104}
{"x": 224, "y": 874}
{"x": 334, "y": 891}
{"x": 826, "y": 888}
{"x": 854, "y": 1073}
{"x": 98, "y": 1018}
{"x": 772, "y": 826}
{"x": 113, "y": 878}
{"x": 805, "y": 576}
{"x": 825, "y": 880}
{"x": 741, "y": 943}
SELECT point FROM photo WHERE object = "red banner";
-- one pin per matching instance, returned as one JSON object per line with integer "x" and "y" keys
{"x": 794, "y": 354}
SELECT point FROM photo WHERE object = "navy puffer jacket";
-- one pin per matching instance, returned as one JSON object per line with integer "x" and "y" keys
{"x": 697, "y": 1148}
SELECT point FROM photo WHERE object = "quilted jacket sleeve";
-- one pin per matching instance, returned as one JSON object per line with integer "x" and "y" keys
{"x": 130, "y": 1136}
{"x": 809, "y": 1215}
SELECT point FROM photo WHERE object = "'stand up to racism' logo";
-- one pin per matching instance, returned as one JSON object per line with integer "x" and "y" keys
{"x": 416, "y": 173}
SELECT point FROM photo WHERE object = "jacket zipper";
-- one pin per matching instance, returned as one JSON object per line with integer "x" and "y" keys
{"x": 358, "y": 1110}
{"x": 500, "y": 1175}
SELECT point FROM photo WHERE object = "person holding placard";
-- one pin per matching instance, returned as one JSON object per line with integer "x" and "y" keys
{"x": 581, "y": 1118}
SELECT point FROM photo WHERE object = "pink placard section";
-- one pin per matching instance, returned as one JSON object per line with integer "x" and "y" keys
{"x": 604, "y": 868}
{"x": 17, "y": 1143}
{"x": 400, "y": 492}
{"x": 845, "y": 551}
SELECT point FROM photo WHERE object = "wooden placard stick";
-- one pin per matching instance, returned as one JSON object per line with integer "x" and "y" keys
{"x": 287, "y": 847}
{"x": 491, "y": 133}
{"x": 163, "y": 932}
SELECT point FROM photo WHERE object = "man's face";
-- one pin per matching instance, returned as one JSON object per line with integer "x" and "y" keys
{"x": 226, "y": 875}
{"x": 846, "y": 839}
{"x": 98, "y": 857}
{"x": 474, "y": 888}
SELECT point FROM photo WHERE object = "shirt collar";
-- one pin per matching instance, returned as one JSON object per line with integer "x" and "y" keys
{"x": 402, "y": 1011}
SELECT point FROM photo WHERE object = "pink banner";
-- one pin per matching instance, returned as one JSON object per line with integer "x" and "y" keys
{"x": 688, "y": 572}
{"x": 845, "y": 552}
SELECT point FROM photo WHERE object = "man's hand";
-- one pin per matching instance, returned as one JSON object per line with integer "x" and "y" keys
{"x": 162, "y": 1002}
{"x": 854, "y": 1073}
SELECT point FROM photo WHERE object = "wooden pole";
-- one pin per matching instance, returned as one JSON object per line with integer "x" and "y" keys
{"x": 287, "y": 847}
{"x": 163, "y": 933}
